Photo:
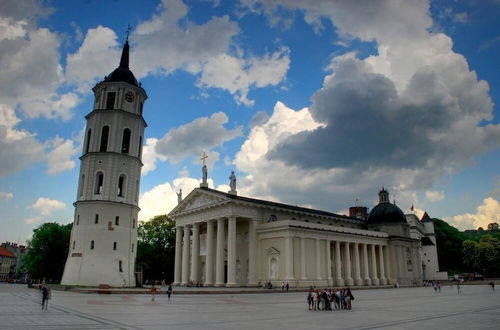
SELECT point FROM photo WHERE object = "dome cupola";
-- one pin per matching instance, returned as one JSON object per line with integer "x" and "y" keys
{"x": 385, "y": 212}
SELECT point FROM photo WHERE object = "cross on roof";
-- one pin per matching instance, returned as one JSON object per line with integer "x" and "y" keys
{"x": 204, "y": 157}
{"x": 129, "y": 28}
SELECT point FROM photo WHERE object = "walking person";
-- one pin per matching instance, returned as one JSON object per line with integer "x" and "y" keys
{"x": 153, "y": 292}
{"x": 310, "y": 300}
{"x": 45, "y": 296}
{"x": 458, "y": 287}
{"x": 492, "y": 284}
{"x": 169, "y": 291}
{"x": 348, "y": 298}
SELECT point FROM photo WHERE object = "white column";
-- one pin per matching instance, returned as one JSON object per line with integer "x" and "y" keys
{"x": 329, "y": 262}
{"x": 375, "y": 280}
{"x": 338, "y": 271}
{"x": 185, "y": 255}
{"x": 383, "y": 280}
{"x": 209, "y": 262}
{"x": 195, "y": 254}
{"x": 303, "y": 258}
{"x": 366, "y": 271}
{"x": 357, "y": 272}
{"x": 219, "y": 262}
{"x": 318, "y": 260}
{"x": 252, "y": 253}
{"x": 347, "y": 257}
{"x": 388, "y": 271}
{"x": 289, "y": 259}
{"x": 231, "y": 251}
{"x": 178, "y": 255}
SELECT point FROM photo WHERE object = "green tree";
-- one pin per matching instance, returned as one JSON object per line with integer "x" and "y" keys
{"x": 47, "y": 251}
{"x": 469, "y": 254}
{"x": 449, "y": 246}
{"x": 156, "y": 248}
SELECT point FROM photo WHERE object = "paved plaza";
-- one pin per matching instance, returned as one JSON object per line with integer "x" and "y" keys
{"x": 403, "y": 308}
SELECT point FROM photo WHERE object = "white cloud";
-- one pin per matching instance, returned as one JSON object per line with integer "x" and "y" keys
{"x": 191, "y": 139}
{"x": 434, "y": 196}
{"x": 5, "y": 196}
{"x": 98, "y": 55}
{"x": 33, "y": 220}
{"x": 162, "y": 198}
{"x": 150, "y": 156}
{"x": 12, "y": 30}
{"x": 486, "y": 213}
{"x": 46, "y": 206}
{"x": 60, "y": 158}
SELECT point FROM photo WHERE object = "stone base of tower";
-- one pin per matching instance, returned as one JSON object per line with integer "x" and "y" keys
{"x": 92, "y": 273}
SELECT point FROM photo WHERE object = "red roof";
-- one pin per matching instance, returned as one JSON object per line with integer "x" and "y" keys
{"x": 6, "y": 253}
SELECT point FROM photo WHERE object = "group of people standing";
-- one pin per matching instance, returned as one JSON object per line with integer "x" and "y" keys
{"x": 329, "y": 299}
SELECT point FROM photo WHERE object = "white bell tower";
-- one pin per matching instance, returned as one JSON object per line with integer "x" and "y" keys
{"x": 103, "y": 241}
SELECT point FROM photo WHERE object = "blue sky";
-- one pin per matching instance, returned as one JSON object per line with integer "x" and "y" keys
{"x": 314, "y": 103}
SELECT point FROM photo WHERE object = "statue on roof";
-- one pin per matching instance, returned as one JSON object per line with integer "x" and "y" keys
{"x": 232, "y": 183}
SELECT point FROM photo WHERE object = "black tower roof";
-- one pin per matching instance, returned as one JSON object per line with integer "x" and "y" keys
{"x": 123, "y": 73}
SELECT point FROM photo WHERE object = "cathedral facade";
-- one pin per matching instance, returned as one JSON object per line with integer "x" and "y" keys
{"x": 226, "y": 240}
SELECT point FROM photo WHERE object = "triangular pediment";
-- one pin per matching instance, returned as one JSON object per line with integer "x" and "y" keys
{"x": 198, "y": 199}
{"x": 272, "y": 250}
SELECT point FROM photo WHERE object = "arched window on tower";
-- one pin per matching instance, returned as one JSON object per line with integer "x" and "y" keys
{"x": 99, "y": 182}
{"x": 121, "y": 185}
{"x": 110, "y": 100}
{"x": 140, "y": 108}
{"x": 126, "y": 141}
{"x": 104, "y": 138}
{"x": 87, "y": 145}
{"x": 74, "y": 245}
{"x": 117, "y": 220}
{"x": 96, "y": 221}
{"x": 140, "y": 147}
{"x": 114, "y": 245}
{"x": 91, "y": 245}
{"x": 120, "y": 266}
{"x": 82, "y": 184}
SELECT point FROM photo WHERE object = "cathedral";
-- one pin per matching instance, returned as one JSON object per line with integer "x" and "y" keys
{"x": 226, "y": 240}
{"x": 104, "y": 236}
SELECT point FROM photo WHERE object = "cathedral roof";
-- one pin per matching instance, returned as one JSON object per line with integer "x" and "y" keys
{"x": 385, "y": 212}
{"x": 123, "y": 73}
{"x": 426, "y": 218}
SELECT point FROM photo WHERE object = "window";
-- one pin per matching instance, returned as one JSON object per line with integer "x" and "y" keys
{"x": 120, "y": 266}
{"x": 126, "y": 141}
{"x": 140, "y": 108}
{"x": 117, "y": 220}
{"x": 114, "y": 245}
{"x": 133, "y": 223}
{"x": 110, "y": 101}
{"x": 74, "y": 245}
{"x": 121, "y": 185}
{"x": 87, "y": 146}
{"x": 96, "y": 219}
{"x": 104, "y": 138}
{"x": 77, "y": 219}
{"x": 140, "y": 147}
{"x": 91, "y": 245}
{"x": 272, "y": 218}
{"x": 82, "y": 183}
{"x": 99, "y": 181}
{"x": 136, "y": 189}
{"x": 132, "y": 247}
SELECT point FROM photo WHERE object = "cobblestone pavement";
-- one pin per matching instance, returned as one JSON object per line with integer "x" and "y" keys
{"x": 477, "y": 307}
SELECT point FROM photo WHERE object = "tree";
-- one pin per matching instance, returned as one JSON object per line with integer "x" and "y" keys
{"x": 469, "y": 254}
{"x": 156, "y": 248}
{"x": 47, "y": 251}
{"x": 449, "y": 246}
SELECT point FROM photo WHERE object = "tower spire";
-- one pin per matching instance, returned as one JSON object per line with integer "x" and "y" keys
{"x": 125, "y": 55}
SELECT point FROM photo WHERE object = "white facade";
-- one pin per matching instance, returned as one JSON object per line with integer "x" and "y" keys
{"x": 226, "y": 240}
{"x": 104, "y": 235}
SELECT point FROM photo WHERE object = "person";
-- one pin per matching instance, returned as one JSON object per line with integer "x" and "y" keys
{"x": 45, "y": 296}
{"x": 169, "y": 291}
{"x": 287, "y": 286}
{"x": 439, "y": 287}
{"x": 283, "y": 286}
{"x": 310, "y": 299}
{"x": 153, "y": 292}
{"x": 458, "y": 287}
{"x": 492, "y": 284}
{"x": 348, "y": 298}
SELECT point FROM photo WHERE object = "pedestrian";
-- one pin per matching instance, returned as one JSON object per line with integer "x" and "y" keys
{"x": 348, "y": 298}
{"x": 153, "y": 291}
{"x": 492, "y": 284}
{"x": 310, "y": 300}
{"x": 169, "y": 291}
{"x": 45, "y": 296}
{"x": 283, "y": 286}
{"x": 287, "y": 286}
{"x": 458, "y": 287}
{"x": 439, "y": 287}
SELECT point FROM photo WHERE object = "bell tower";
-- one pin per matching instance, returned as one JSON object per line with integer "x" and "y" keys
{"x": 103, "y": 241}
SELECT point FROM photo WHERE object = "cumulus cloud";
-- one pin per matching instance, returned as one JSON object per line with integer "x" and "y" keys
{"x": 486, "y": 213}
{"x": 193, "y": 138}
{"x": 162, "y": 198}
{"x": 60, "y": 158}
{"x": 46, "y": 206}
{"x": 434, "y": 196}
{"x": 397, "y": 117}
{"x": 5, "y": 196}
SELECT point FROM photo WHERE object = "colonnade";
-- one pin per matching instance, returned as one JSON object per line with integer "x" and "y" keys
{"x": 187, "y": 255}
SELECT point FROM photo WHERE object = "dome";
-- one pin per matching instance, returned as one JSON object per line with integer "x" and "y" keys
{"x": 123, "y": 73}
{"x": 385, "y": 212}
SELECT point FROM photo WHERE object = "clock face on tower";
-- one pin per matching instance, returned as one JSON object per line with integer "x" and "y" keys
{"x": 129, "y": 96}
